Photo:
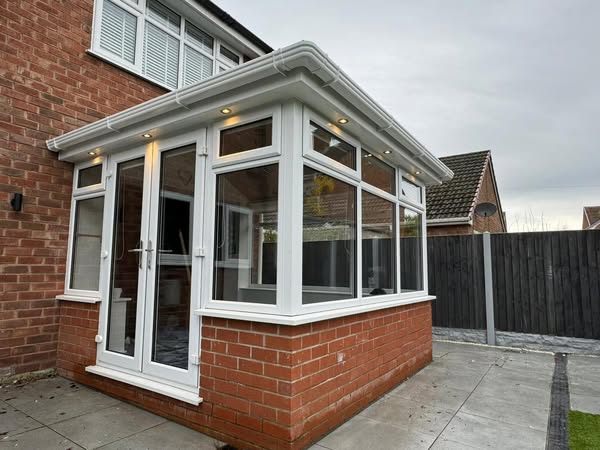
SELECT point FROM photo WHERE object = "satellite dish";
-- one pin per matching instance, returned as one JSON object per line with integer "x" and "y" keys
{"x": 485, "y": 209}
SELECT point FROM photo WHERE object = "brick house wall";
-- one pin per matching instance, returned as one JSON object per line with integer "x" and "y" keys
{"x": 487, "y": 194}
{"x": 49, "y": 85}
{"x": 280, "y": 387}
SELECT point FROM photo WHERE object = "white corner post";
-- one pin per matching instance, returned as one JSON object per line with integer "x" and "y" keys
{"x": 489, "y": 289}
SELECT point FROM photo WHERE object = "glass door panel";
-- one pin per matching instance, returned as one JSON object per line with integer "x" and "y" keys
{"x": 173, "y": 259}
{"x": 125, "y": 280}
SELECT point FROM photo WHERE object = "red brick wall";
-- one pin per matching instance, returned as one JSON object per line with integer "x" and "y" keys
{"x": 487, "y": 194}
{"x": 449, "y": 230}
{"x": 48, "y": 85}
{"x": 270, "y": 386}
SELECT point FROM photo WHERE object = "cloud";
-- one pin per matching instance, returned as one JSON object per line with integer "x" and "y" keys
{"x": 519, "y": 77}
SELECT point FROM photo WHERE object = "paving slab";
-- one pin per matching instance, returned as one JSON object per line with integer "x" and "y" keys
{"x": 167, "y": 435}
{"x": 49, "y": 409}
{"x": 360, "y": 433}
{"x": 501, "y": 410}
{"x": 409, "y": 414}
{"x": 442, "y": 397}
{"x": 13, "y": 421}
{"x": 103, "y": 427}
{"x": 39, "y": 439}
{"x": 516, "y": 393}
{"x": 481, "y": 432}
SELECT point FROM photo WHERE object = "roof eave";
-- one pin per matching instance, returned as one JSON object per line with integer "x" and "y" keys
{"x": 305, "y": 55}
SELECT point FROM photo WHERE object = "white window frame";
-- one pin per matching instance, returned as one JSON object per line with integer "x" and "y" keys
{"x": 307, "y": 147}
{"x": 85, "y": 193}
{"x": 139, "y": 11}
{"x": 232, "y": 163}
{"x": 273, "y": 150}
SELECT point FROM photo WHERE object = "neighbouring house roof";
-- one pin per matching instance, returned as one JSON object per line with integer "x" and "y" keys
{"x": 234, "y": 24}
{"x": 591, "y": 217}
{"x": 456, "y": 198}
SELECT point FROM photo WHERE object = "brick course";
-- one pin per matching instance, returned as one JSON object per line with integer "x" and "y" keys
{"x": 273, "y": 386}
{"x": 48, "y": 85}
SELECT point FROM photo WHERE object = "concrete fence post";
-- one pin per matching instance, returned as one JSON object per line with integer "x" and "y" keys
{"x": 489, "y": 291}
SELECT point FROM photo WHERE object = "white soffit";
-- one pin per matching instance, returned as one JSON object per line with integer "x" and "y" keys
{"x": 299, "y": 71}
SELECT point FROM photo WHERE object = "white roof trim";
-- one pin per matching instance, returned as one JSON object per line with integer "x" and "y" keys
{"x": 302, "y": 55}
{"x": 450, "y": 221}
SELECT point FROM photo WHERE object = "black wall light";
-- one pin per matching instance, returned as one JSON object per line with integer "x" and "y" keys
{"x": 16, "y": 202}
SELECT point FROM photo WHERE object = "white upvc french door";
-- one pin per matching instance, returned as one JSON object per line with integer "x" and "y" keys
{"x": 147, "y": 323}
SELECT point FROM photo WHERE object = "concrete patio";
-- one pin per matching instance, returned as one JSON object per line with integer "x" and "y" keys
{"x": 469, "y": 397}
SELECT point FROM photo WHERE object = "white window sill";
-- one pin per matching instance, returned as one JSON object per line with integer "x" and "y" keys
{"x": 144, "y": 383}
{"x": 310, "y": 317}
{"x": 78, "y": 298}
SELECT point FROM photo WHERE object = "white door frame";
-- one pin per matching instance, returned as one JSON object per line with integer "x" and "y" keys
{"x": 141, "y": 363}
{"x": 104, "y": 355}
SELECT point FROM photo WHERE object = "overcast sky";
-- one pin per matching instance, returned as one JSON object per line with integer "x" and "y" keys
{"x": 521, "y": 78}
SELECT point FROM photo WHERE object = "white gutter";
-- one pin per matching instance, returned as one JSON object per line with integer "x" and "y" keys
{"x": 305, "y": 55}
{"x": 450, "y": 221}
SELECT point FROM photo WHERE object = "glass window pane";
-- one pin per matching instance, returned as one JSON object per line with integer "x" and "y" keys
{"x": 245, "y": 268}
{"x": 378, "y": 246}
{"x": 246, "y": 137}
{"x": 90, "y": 176}
{"x": 163, "y": 15}
{"x": 173, "y": 258}
{"x": 329, "y": 239}
{"x": 229, "y": 55}
{"x": 126, "y": 257}
{"x": 411, "y": 191}
{"x": 411, "y": 251}
{"x": 333, "y": 147}
{"x": 199, "y": 37}
{"x": 87, "y": 240}
{"x": 377, "y": 173}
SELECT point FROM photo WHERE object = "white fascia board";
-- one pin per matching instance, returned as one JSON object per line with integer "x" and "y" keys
{"x": 302, "y": 55}
{"x": 450, "y": 221}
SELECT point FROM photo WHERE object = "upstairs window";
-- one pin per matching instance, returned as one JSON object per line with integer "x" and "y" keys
{"x": 154, "y": 41}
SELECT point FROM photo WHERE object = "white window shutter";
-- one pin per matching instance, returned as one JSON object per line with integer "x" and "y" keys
{"x": 117, "y": 31}
{"x": 161, "y": 56}
{"x": 196, "y": 66}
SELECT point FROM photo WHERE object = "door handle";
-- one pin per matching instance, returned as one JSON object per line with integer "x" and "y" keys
{"x": 149, "y": 249}
{"x": 138, "y": 250}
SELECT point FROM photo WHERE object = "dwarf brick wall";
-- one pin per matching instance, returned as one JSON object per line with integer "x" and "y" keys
{"x": 273, "y": 386}
{"x": 48, "y": 86}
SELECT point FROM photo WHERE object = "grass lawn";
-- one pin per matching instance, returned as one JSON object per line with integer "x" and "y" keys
{"x": 584, "y": 431}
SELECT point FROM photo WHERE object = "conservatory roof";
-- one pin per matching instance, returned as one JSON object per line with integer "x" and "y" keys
{"x": 300, "y": 71}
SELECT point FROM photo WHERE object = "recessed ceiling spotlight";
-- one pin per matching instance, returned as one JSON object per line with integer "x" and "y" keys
{"x": 226, "y": 111}
{"x": 387, "y": 152}
{"x": 417, "y": 172}
{"x": 368, "y": 155}
{"x": 92, "y": 153}
{"x": 343, "y": 121}
{"x": 146, "y": 135}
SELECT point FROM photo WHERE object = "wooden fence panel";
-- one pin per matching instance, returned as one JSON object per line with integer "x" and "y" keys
{"x": 455, "y": 272}
{"x": 544, "y": 283}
